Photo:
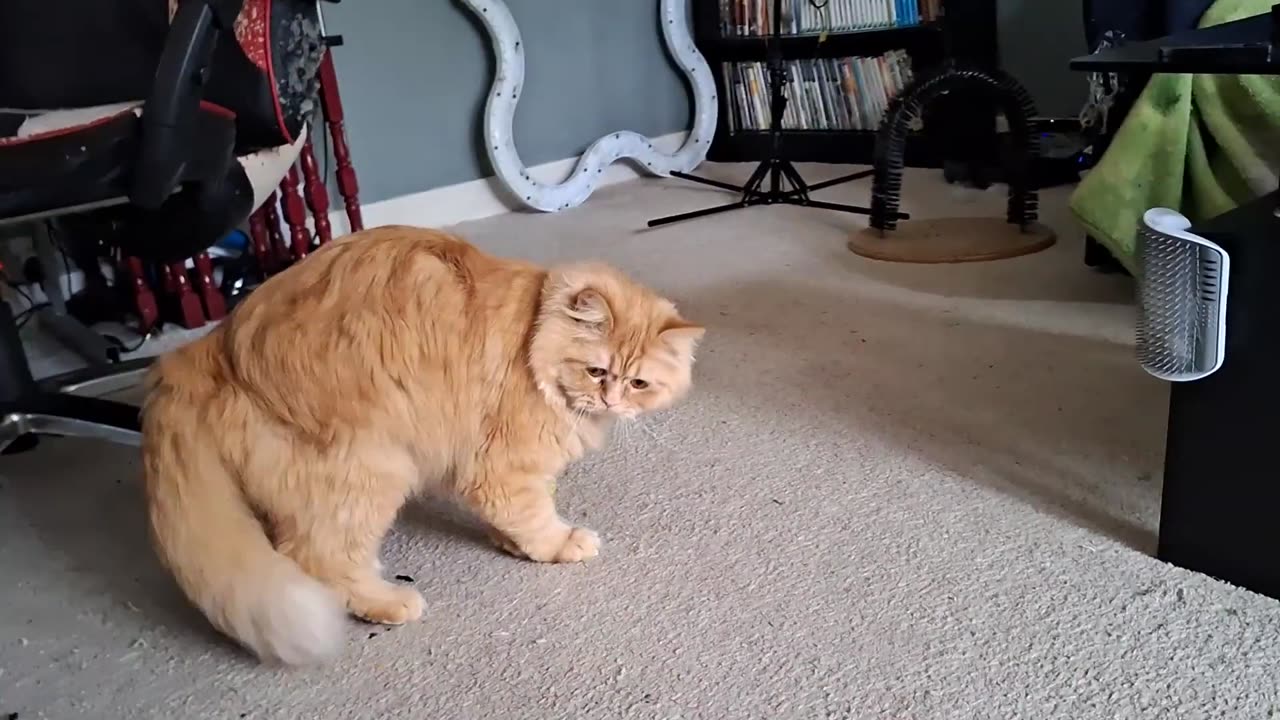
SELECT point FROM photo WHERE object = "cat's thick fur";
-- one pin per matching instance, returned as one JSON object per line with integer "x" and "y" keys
{"x": 279, "y": 448}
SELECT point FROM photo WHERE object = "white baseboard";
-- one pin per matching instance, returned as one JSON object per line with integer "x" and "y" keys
{"x": 477, "y": 199}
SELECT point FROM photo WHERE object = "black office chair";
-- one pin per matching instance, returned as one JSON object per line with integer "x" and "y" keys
{"x": 177, "y": 118}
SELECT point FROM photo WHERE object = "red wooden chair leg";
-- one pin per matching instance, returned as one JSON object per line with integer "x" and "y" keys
{"x": 331, "y": 104}
{"x": 144, "y": 300}
{"x": 186, "y": 306}
{"x": 279, "y": 249}
{"x": 260, "y": 241}
{"x": 215, "y": 307}
{"x": 295, "y": 214}
{"x": 317, "y": 194}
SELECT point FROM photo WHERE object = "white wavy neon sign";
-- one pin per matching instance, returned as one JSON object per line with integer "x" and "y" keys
{"x": 500, "y": 110}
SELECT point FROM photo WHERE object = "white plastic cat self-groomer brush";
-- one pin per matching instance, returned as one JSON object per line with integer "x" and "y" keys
{"x": 1182, "y": 299}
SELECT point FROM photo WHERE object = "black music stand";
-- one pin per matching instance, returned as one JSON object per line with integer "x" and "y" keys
{"x": 775, "y": 168}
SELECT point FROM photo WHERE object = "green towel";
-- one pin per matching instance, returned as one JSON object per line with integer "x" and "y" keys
{"x": 1199, "y": 144}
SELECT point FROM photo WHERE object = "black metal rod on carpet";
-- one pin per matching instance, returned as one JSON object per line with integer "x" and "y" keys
{"x": 835, "y": 206}
{"x": 698, "y": 213}
{"x": 707, "y": 181}
{"x": 842, "y": 179}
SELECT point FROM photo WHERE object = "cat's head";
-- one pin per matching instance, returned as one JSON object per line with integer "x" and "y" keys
{"x": 604, "y": 345}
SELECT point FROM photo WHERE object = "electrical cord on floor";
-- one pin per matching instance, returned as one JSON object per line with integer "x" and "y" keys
{"x": 21, "y": 291}
{"x": 24, "y": 316}
{"x": 66, "y": 261}
{"x": 124, "y": 349}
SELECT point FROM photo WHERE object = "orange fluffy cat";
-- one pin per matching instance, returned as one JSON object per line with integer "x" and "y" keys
{"x": 279, "y": 448}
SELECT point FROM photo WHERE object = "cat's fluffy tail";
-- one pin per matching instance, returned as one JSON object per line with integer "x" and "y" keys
{"x": 209, "y": 538}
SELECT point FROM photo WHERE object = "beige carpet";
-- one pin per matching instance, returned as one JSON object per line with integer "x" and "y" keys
{"x": 898, "y": 492}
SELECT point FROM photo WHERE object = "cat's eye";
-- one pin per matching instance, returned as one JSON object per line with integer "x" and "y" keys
{"x": 596, "y": 372}
{"x": 639, "y": 384}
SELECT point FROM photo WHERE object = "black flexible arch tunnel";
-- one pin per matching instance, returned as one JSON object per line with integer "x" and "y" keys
{"x": 891, "y": 140}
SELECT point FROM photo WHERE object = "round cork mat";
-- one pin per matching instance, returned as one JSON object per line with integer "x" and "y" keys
{"x": 951, "y": 240}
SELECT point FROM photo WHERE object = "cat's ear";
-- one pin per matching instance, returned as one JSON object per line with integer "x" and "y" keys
{"x": 682, "y": 336}
{"x": 589, "y": 307}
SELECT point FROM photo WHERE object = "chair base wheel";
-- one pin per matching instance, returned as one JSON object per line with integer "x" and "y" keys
{"x": 24, "y": 443}
{"x": 65, "y": 415}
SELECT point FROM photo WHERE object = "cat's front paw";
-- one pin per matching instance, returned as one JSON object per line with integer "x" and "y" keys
{"x": 575, "y": 545}
{"x": 582, "y": 544}
{"x": 386, "y": 604}
{"x": 504, "y": 543}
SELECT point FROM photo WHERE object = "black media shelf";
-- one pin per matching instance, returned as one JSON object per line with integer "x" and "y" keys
{"x": 966, "y": 33}
{"x": 873, "y": 41}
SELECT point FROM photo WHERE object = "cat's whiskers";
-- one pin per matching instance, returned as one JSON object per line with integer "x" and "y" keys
{"x": 576, "y": 419}
{"x": 631, "y": 424}
{"x": 660, "y": 439}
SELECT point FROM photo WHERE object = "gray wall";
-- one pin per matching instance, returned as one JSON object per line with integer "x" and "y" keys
{"x": 414, "y": 75}
{"x": 1037, "y": 39}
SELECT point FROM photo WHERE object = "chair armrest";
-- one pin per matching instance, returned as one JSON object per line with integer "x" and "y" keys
{"x": 170, "y": 110}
